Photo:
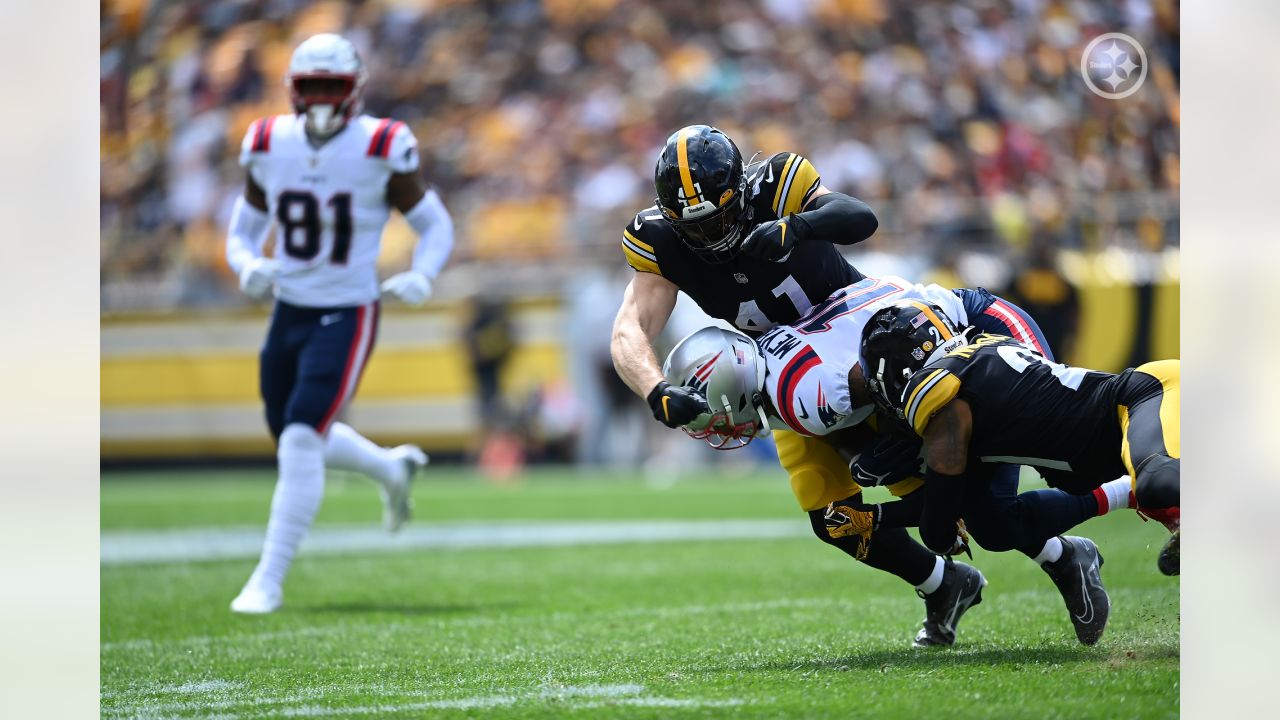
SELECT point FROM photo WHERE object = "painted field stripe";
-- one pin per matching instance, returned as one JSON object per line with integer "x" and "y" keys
{"x": 131, "y": 547}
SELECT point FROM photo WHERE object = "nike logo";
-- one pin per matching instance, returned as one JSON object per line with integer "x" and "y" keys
{"x": 636, "y": 224}
{"x": 1086, "y": 617}
{"x": 804, "y": 414}
{"x": 665, "y": 411}
{"x": 331, "y": 318}
{"x": 768, "y": 172}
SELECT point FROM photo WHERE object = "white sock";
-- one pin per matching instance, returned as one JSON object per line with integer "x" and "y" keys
{"x": 1051, "y": 551}
{"x": 295, "y": 502}
{"x": 346, "y": 449}
{"x": 934, "y": 580}
{"x": 1113, "y": 495}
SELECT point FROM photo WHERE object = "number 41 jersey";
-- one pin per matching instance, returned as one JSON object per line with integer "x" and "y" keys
{"x": 328, "y": 203}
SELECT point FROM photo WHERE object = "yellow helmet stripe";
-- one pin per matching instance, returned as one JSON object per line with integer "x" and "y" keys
{"x": 682, "y": 157}
{"x": 933, "y": 318}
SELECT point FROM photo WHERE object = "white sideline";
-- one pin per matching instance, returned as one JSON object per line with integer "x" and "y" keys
{"x": 132, "y": 547}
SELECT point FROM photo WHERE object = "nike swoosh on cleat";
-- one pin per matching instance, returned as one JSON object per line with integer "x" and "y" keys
{"x": 951, "y": 619}
{"x": 1086, "y": 617}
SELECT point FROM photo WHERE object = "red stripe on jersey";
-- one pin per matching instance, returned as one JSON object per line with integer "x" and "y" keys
{"x": 1017, "y": 328}
{"x": 266, "y": 133}
{"x": 803, "y": 362}
{"x": 391, "y": 133}
{"x": 377, "y": 136}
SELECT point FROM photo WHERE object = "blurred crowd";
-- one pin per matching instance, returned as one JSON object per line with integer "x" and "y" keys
{"x": 966, "y": 125}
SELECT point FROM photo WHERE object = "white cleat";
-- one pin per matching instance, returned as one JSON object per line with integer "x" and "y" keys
{"x": 397, "y": 493}
{"x": 255, "y": 600}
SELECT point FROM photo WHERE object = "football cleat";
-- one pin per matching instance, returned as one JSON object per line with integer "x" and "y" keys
{"x": 257, "y": 600}
{"x": 1078, "y": 577}
{"x": 1170, "y": 554}
{"x": 397, "y": 492}
{"x": 960, "y": 590}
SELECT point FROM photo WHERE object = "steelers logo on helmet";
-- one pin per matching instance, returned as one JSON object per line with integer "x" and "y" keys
{"x": 701, "y": 183}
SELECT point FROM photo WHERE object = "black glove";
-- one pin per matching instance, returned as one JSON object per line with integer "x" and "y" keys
{"x": 889, "y": 459}
{"x": 676, "y": 406}
{"x": 772, "y": 241}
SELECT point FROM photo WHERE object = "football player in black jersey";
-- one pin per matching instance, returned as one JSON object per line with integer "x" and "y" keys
{"x": 756, "y": 246}
{"x": 990, "y": 399}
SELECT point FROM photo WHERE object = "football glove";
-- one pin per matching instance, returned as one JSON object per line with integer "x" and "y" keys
{"x": 412, "y": 288}
{"x": 772, "y": 241}
{"x": 888, "y": 460}
{"x": 962, "y": 541}
{"x": 257, "y": 276}
{"x": 676, "y": 406}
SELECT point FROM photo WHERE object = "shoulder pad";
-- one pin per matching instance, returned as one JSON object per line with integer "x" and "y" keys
{"x": 394, "y": 142}
{"x": 784, "y": 184}
{"x": 257, "y": 139}
{"x": 639, "y": 241}
{"x": 927, "y": 392}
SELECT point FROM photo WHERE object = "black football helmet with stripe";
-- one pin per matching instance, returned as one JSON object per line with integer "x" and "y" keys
{"x": 702, "y": 191}
{"x": 897, "y": 341}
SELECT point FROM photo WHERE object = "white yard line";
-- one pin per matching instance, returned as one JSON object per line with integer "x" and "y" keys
{"x": 131, "y": 547}
{"x": 304, "y": 705}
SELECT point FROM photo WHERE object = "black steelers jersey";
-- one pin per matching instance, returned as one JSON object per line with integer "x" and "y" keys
{"x": 752, "y": 294}
{"x": 1026, "y": 410}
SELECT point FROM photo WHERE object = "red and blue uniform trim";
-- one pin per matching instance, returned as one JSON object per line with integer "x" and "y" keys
{"x": 804, "y": 361}
{"x": 380, "y": 143}
{"x": 261, "y": 131}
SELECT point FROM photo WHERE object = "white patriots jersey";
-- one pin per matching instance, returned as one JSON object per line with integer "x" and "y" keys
{"x": 807, "y": 363}
{"x": 328, "y": 203}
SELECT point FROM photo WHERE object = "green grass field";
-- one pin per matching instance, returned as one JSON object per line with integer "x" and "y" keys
{"x": 778, "y": 626}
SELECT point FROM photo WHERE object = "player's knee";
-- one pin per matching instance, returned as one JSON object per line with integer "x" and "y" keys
{"x": 299, "y": 438}
{"x": 1158, "y": 482}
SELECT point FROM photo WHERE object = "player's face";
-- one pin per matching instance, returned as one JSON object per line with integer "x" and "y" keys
{"x": 324, "y": 90}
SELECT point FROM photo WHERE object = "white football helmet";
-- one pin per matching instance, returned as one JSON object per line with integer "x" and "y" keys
{"x": 726, "y": 367}
{"x": 326, "y": 80}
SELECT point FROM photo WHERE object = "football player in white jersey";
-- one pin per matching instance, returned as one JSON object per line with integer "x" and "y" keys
{"x": 328, "y": 176}
{"x": 807, "y": 378}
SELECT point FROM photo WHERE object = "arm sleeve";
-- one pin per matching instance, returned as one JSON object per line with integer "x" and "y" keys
{"x": 942, "y": 498}
{"x": 245, "y": 236}
{"x": 837, "y": 218}
{"x": 431, "y": 221}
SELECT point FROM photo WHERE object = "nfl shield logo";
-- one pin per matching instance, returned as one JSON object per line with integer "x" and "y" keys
{"x": 742, "y": 279}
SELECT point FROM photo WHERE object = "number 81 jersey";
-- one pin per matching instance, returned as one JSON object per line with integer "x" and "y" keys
{"x": 328, "y": 203}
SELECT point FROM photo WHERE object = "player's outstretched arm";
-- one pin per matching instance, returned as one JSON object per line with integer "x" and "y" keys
{"x": 646, "y": 306}
{"x": 248, "y": 231}
{"x": 946, "y": 448}
{"x": 426, "y": 214}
